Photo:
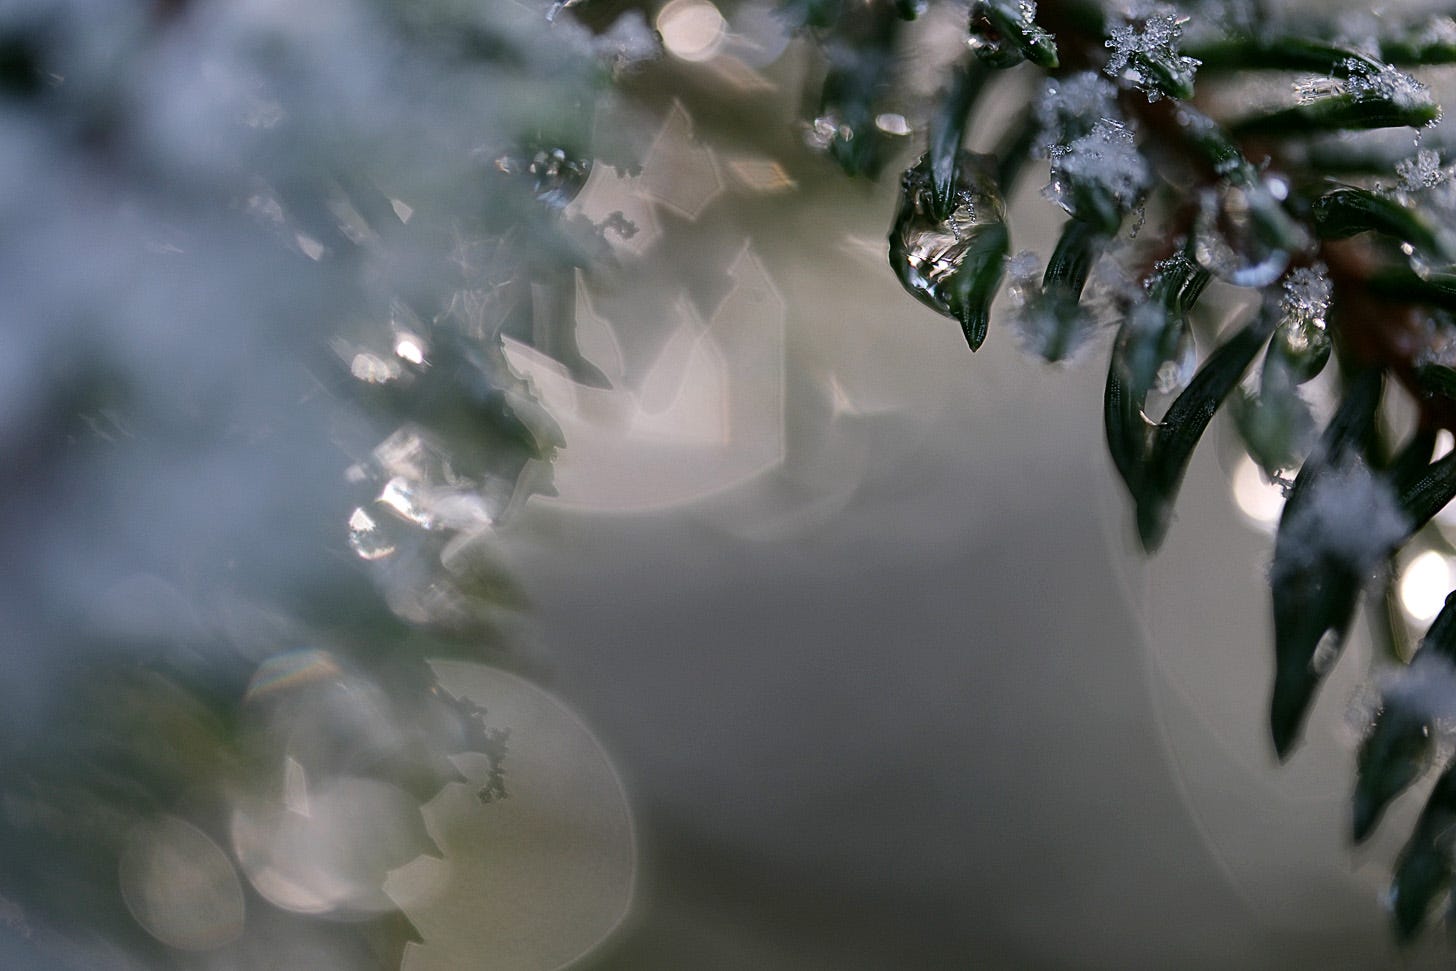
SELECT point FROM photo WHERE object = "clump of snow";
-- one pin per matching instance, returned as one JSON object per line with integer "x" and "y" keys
{"x": 1437, "y": 31}
{"x": 1022, "y": 270}
{"x": 1232, "y": 16}
{"x": 1069, "y": 107}
{"x": 1029, "y": 313}
{"x": 1048, "y": 324}
{"x": 1425, "y": 689}
{"x": 1105, "y": 158}
{"x": 1091, "y": 148}
{"x": 1360, "y": 30}
{"x": 1350, "y": 517}
{"x": 1437, "y": 341}
{"x": 627, "y": 43}
{"x": 272, "y": 178}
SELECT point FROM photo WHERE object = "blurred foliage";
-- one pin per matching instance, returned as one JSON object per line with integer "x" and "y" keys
{"x": 262, "y": 434}
{"x": 261, "y": 440}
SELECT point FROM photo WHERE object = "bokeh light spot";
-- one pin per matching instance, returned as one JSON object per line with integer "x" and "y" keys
{"x": 1424, "y": 583}
{"x": 1257, "y": 498}
{"x": 692, "y": 30}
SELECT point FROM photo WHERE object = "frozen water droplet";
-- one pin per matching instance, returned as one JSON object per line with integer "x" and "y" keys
{"x": 366, "y": 538}
{"x": 1229, "y": 239}
{"x": 952, "y": 264}
{"x": 1302, "y": 340}
{"x": 1277, "y": 425}
{"x": 555, "y": 177}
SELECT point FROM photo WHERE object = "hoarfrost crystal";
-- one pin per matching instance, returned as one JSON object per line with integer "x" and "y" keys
{"x": 1146, "y": 55}
{"x": 1107, "y": 159}
{"x": 1421, "y": 171}
{"x": 1067, "y": 105}
{"x": 1385, "y": 83}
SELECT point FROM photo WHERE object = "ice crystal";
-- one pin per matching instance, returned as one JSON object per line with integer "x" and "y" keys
{"x": 1385, "y": 83}
{"x": 1316, "y": 88}
{"x": 1307, "y": 294}
{"x": 1145, "y": 54}
{"x": 1422, "y": 171}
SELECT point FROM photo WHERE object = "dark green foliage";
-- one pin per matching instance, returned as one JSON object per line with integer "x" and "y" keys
{"x": 1005, "y": 33}
{"x": 1398, "y": 749}
{"x": 1425, "y": 867}
{"x": 1315, "y": 588}
{"x": 1178, "y": 433}
{"x": 1346, "y": 211}
{"x": 1339, "y": 113}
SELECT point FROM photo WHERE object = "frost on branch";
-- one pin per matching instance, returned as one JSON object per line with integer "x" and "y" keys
{"x": 1368, "y": 82}
{"x": 1069, "y": 106}
{"x": 1145, "y": 54}
{"x": 1351, "y": 519}
{"x": 1049, "y": 322}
